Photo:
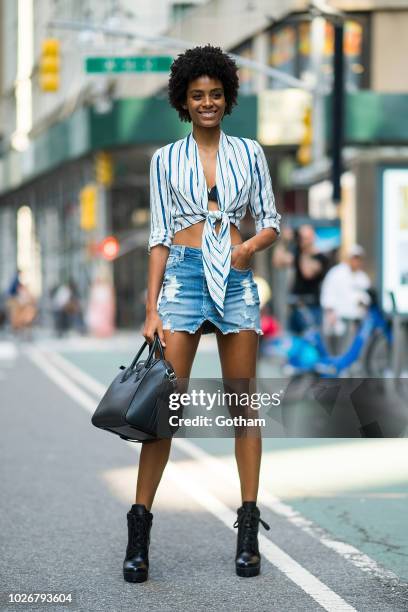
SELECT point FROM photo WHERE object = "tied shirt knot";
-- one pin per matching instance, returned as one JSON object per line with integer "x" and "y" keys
{"x": 217, "y": 214}
{"x": 216, "y": 249}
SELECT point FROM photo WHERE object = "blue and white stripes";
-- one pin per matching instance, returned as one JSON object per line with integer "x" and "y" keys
{"x": 179, "y": 198}
{"x": 217, "y": 256}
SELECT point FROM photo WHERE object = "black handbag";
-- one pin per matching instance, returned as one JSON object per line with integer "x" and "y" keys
{"x": 136, "y": 404}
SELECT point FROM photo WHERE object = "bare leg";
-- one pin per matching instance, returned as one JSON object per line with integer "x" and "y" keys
{"x": 180, "y": 350}
{"x": 232, "y": 348}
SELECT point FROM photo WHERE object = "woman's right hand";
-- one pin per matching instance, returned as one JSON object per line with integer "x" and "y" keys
{"x": 153, "y": 324}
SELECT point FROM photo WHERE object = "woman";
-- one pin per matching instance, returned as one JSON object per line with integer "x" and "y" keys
{"x": 200, "y": 187}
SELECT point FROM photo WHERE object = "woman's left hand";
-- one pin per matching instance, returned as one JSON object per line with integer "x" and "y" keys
{"x": 241, "y": 256}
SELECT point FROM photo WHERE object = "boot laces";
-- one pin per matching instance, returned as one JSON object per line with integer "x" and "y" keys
{"x": 247, "y": 523}
{"x": 138, "y": 533}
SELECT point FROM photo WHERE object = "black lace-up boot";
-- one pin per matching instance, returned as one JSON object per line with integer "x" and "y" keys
{"x": 136, "y": 563}
{"x": 248, "y": 560}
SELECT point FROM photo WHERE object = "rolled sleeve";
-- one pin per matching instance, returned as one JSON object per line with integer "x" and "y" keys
{"x": 161, "y": 221}
{"x": 262, "y": 201}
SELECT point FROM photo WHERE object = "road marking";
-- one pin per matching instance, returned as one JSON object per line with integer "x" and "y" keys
{"x": 87, "y": 381}
{"x": 8, "y": 351}
{"x": 62, "y": 380}
{"x": 349, "y": 552}
{"x": 345, "y": 550}
{"x": 321, "y": 593}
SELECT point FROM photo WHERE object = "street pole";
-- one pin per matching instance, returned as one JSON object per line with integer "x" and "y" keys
{"x": 337, "y": 110}
{"x": 318, "y": 27}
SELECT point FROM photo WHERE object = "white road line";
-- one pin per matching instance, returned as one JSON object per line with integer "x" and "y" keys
{"x": 87, "y": 381}
{"x": 349, "y": 552}
{"x": 61, "y": 380}
{"x": 8, "y": 351}
{"x": 322, "y": 594}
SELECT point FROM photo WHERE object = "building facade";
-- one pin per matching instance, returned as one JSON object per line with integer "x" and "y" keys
{"x": 50, "y": 143}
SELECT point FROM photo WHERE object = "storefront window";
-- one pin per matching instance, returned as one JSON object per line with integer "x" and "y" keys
{"x": 353, "y": 54}
{"x": 246, "y": 75}
{"x": 290, "y": 52}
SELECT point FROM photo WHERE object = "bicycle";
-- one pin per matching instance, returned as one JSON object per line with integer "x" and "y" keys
{"x": 308, "y": 352}
{"x": 312, "y": 391}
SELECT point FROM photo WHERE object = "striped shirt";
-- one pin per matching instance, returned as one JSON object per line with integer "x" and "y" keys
{"x": 179, "y": 198}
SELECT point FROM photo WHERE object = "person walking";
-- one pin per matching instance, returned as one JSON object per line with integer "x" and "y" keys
{"x": 101, "y": 308}
{"x": 200, "y": 278}
{"x": 311, "y": 267}
{"x": 60, "y": 299}
{"x": 22, "y": 308}
{"x": 344, "y": 299}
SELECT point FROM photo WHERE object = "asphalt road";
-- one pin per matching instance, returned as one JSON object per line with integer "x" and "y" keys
{"x": 66, "y": 488}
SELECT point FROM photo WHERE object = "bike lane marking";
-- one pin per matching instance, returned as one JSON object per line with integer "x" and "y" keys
{"x": 317, "y": 590}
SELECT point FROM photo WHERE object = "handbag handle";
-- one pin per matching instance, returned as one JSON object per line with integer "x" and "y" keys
{"x": 156, "y": 343}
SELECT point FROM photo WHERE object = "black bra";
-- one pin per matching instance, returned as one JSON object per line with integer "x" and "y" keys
{"x": 213, "y": 194}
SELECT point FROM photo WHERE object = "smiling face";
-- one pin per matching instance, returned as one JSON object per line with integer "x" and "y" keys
{"x": 205, "y": 101}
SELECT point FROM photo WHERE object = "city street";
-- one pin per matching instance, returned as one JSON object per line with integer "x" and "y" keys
{"x": 239, "y": 165}
{"x": 336, "y": 507}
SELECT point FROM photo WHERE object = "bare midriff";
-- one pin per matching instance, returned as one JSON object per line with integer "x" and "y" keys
{"x": 192, "y": 236}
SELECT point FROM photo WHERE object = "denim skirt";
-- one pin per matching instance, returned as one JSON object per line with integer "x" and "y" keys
{"x": 185, "y": 304}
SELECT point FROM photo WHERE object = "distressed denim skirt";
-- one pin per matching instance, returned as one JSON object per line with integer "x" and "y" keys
{"x": 185, "y": 304}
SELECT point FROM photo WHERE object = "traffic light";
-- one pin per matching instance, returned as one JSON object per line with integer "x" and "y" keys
{"x": 104, "y": 169}
{"x": 304, "y": 152}
{"x": 88, "y": 201}
{"x": 50, "y": 65}
{"x": 109, "y": 248}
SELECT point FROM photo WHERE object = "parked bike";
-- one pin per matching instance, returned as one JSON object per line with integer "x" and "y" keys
{"x": 308, "y": 352}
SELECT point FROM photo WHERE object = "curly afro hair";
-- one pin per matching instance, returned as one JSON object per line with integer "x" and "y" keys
{"x": 202, "y": 61}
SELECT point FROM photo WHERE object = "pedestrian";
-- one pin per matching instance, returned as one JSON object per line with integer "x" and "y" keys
{"x": 344, "y": 298}
{"x": 101, "y": 308}
{"x": 200, "y": 277}
{"x": 310, "y": 269}
{"x": 60, "y": 299}
{"x": 74, "y": 308}
{"x": 67, "y": 309}
{"x": 22, "y": 308}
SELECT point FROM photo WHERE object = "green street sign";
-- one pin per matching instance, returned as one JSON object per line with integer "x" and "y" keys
{"x": 140, "y": 63}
